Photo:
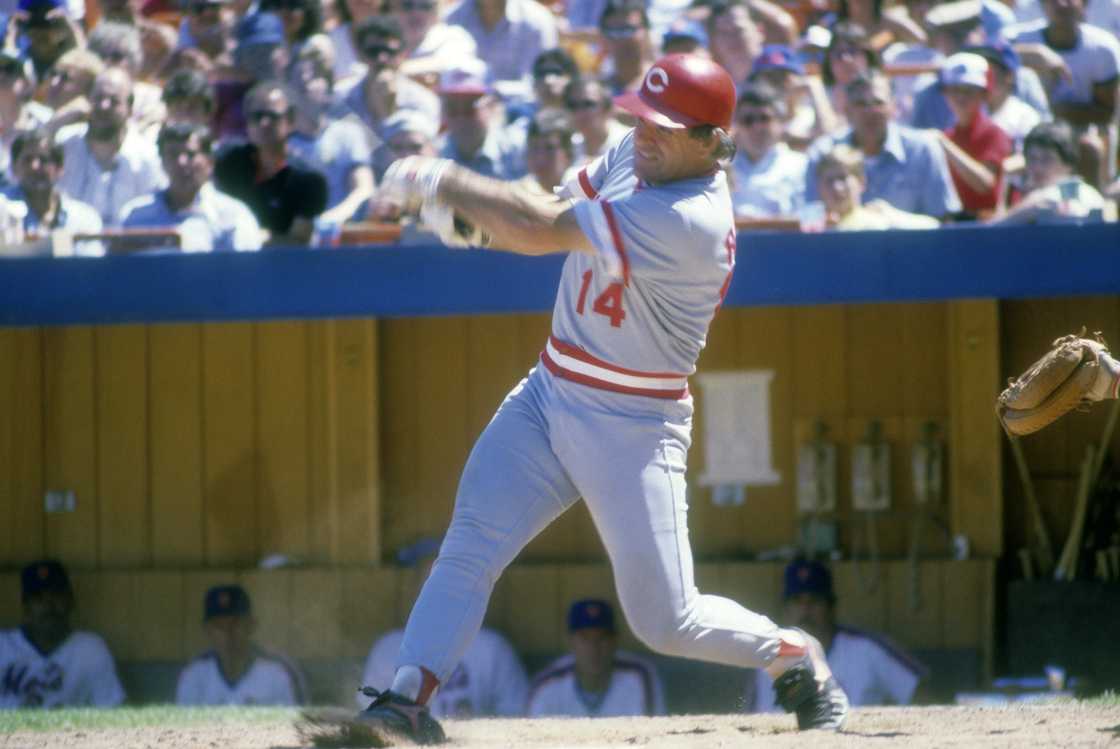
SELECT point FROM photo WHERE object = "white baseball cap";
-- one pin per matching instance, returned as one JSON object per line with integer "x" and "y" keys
{"x": 965, "y": 69}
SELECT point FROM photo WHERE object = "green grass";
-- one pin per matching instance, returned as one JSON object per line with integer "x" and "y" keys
{"x": 138, "y": 717}
{"x": 1107, "y": 699}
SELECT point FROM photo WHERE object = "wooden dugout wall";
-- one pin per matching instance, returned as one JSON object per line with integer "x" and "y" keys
{"x": 195, "y": 450}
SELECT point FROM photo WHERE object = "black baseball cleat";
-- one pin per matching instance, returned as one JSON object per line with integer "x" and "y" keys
{"x": 394, "y": 714}
{"x": 809, "y": 690}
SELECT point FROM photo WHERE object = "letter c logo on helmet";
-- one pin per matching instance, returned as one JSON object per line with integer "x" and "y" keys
{"x": 657, "y": 80}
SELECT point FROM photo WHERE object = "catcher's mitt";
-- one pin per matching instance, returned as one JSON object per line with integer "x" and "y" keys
{"x": 1059, "y": 382}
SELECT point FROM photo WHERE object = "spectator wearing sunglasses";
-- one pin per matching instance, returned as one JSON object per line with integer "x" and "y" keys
{"x": 284, "y": 195}
{"x": 589, "y": 105}
{"x": 430, "y": 46}
{"x": 553, "y": 70}
{"x": 768, "y": 177}
{"x": 510, "y": 34}
{"x": 383, "y": 89}
{"x": 624, "y": 26}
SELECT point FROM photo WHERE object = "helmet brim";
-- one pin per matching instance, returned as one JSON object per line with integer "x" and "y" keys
{"x": 634, "y": 103}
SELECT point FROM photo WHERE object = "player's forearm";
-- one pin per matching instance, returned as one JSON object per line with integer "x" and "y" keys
{"x": 515, "y": 220}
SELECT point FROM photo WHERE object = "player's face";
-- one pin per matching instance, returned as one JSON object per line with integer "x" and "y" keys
{"x": 230, "y": 636}
{"x": 593, "y": 651}
{"x": 810, "y": 612}
{"x": 47, "y": 614}
{"x": 663, "y": 154}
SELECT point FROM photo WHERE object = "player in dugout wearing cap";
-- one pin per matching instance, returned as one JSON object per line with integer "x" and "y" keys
{"x": 236, "y": 671}
{"x": 870, "y": 668}
{"x": 595, "y": 679}
{"x": 45, "y": 662}
{"x": 606, "y": 416}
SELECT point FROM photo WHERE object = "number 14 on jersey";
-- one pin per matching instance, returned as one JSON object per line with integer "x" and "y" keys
{"x": 609, "y": 303}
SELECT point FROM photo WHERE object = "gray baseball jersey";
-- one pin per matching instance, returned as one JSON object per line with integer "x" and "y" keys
{"x": 634, "y": 316}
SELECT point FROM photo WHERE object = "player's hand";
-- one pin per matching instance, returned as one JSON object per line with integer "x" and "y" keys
{"x": 409, "y": 182}
{"x": 452, "y": 230}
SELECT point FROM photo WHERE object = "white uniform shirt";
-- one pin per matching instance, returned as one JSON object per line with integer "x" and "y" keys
{"x": 135, "y": 171}
{"x": 270, "y": 680}
{"x": 1104, "y": 14}
{"x": 634, "y": 690}
{"x": 489, "y": 681}
{"x": 775, "y": 186}
{"x": 213, "y": 222}
{"x": 870, "y": 669}
{"x": 80, "y": 672}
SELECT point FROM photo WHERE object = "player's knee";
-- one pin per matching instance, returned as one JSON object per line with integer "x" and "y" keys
{"x": 662, "y": 633}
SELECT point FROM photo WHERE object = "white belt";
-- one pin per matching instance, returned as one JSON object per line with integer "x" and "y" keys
{"x": 571, "y": 363}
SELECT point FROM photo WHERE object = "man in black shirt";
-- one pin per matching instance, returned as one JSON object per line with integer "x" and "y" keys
{"x": 285, "y": 196}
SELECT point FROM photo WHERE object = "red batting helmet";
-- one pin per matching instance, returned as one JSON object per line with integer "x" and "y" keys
{"x": 683, "y": 91}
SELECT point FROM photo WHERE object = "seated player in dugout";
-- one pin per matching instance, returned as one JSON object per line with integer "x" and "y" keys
{"x": 45, "y": 662}
{"x": 236, "y": 671}
{"x": 595, "y": 679}
{"x": 872, "y": 670}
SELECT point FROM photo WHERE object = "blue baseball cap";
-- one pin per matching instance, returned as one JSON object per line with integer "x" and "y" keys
{"x": 685, "y": 29}
{"x": 260, "y": 28}
{"x": 590, "y": 613}
{"x": 226, "y": 600}
{"x": 43, "y": 575}
{"x": 777, "y": 57}
{"x": 808, "y": 576}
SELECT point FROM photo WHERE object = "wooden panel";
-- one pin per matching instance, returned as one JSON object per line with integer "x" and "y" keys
{"x": 323, "y": 442}
{"x": 71, "y": 442}
{"x": 21, "y": 445}
{"x": 755, "y": 585}
{"x": 114, "y": 613}
{"x": 975, "y": 470}
{"x": 271, "y": 594}
{"x": 534, "y": 589}
{"x": 163, "y": 614}
{"x": 367, "y": 609}
{"x": 316, "y": 609}
{"x": 11, "y": 607}
{"x": 357, "y": 438}
{"x": 284, "y": 509}
{"x": 923, "y": 358}
{"x": 175, "y": 444}
{"x": 229, "y": 444}
{"x": 494, "y": 366}
{"x": 399, "y": 424}
{"x": 122, "y": 439}
{"x": 441, "y": 403}
{"x": 875, "y": 382}
{"x": 820, "y": 371}
{"x": 862, "y": 590}
{"x": 915, "y": 612}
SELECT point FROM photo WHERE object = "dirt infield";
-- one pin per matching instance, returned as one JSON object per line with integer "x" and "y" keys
{"x": 1065, "y": 725}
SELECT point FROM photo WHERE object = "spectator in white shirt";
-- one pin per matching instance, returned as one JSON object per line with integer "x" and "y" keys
{"x": 107, "y": 163}
{"x": 235, "y": 671}
{"x": 207, "y": 220}
{"x": 595, "y": 679}
{"x": 768, "y": 177}
{"x": 871, "y": 670}
{"x": 589, "y": 104}
{"x": 118, "y": 45}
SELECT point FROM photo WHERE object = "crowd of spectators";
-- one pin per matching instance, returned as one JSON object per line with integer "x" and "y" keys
{"x": 242, "y": 124}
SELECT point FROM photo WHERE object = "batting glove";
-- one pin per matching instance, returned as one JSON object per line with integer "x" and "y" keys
{"x": 411, "y": 182}
{"x": 452, "y": 231}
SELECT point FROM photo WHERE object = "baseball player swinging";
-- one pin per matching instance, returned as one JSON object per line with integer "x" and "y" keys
{"x": 606, "y": 415}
